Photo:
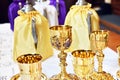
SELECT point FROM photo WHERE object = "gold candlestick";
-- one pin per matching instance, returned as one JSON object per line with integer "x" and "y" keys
{"x": 99, "y": 40}
{"x": 30, "y": 68}
{"x": 61, "y": 38}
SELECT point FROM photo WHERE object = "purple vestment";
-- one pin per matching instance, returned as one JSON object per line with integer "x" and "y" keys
{"x": 12, "y": 11}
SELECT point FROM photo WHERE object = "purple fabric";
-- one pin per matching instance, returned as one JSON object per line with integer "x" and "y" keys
{"x": 12, "y": 11}
{"x": 19, "y": 0}
{"x": 62, "y": 10}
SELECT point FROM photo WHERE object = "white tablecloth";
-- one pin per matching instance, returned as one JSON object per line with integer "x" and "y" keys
{"x": 50, "y": 66}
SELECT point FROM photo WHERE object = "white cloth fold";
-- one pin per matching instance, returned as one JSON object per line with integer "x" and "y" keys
{"x": 48, "y": 11}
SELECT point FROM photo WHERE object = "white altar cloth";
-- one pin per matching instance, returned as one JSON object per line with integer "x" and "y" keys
{"x": 50, "y": 67}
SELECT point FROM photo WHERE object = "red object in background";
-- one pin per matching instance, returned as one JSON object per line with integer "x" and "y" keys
{"x": 115, "y": 6}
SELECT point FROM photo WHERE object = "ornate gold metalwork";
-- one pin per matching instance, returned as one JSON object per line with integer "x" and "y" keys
{"x": 61, "y": 38}
{"x": 99, "y": 40}
{"x": 17, "y": 77}
{"x": 30, "y": 68}
{"x": 83, "y": 63}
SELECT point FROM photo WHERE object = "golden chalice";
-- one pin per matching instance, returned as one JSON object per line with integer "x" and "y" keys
{"x": 118, "y": 51}
{"x": 100, "y": 41}
{"x": 83, "y": 62}
{"x": 30, "y": 68}
{"x": 61, "y": 38}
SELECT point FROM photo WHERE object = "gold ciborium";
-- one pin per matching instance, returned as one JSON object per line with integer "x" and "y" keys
{"x": 30, "y": 68}
{"x": 83, "y": 63}
{"x": 118, "y": 51}
{"x": 100, "y": 42}
{"x": 61, "y": 38}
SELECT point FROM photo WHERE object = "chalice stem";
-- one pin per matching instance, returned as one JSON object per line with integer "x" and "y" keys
{"x": 100, "y": 58}
{"x": 63, "y": 71}
{"x": 63, "y": 64}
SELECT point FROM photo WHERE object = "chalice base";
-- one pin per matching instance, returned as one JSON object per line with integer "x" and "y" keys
{"x": 65, "y": 77}
{"x": 17, "y": 77}
{"x": 103, "y": 76}
{"x": 91, "y": 76}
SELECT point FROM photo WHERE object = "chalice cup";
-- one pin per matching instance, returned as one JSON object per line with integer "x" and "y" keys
{"x": 30, "y": 68}
{"x": 61, "y": 38}
{"x": 83, "y": 63}
{"x": 101, "y": 42}
{"x": 118, "y": 51}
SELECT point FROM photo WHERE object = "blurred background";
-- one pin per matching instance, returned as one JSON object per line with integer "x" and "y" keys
{"x": 102, "y": 7}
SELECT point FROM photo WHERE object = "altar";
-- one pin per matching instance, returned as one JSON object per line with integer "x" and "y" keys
{"x": 50, "y": 66}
